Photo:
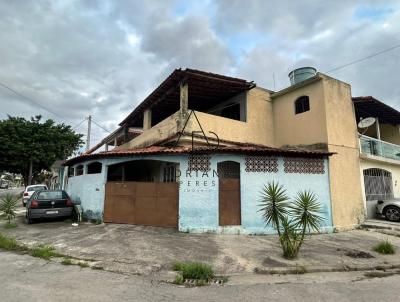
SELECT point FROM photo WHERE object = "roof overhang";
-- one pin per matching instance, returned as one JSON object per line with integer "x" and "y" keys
{"x": 168, "y": 150}
{"x": 205, "y": 89}
{"x": 368, "y": 106}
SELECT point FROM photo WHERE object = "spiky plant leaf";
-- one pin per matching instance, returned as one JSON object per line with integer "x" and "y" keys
{"x": 273, "y": 204}
{"x": 305, "y": 211}
{"x": 8, "y": 205}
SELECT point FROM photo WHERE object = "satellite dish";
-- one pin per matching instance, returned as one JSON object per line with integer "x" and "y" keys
{"x": 366, "y": 122}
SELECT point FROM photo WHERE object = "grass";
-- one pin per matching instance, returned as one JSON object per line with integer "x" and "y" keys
{"x": 385, "y": 247}
{"x": 66, "y": 261}
{"x": 194, "y": 270}
{"x": 43, "y": 251}
{"x": 10, "y": 244}
{"x": 83, "y": 264}
{"x": 8, "y": 226}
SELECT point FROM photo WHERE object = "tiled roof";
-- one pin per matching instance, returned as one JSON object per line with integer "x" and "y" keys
{"x": 247, "y": 149}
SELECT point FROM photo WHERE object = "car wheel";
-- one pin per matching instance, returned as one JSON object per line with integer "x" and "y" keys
{"x": 392, "y": 213}
{"x": 28, "y": 219}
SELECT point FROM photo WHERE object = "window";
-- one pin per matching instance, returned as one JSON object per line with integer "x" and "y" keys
{"x": 79, "y": 170}
{"x": 94, "y": 168}
{"x": 169, "y": 173}
{"x": 302, "y": 104}
{"x": 70, "y": 171}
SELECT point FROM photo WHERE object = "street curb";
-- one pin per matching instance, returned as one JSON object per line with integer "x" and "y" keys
{"x": 297, "y": 270}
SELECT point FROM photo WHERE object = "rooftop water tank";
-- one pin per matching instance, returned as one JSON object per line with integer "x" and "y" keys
{"x": 300, "y": 74}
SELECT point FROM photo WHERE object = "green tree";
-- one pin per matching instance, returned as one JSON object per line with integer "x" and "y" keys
{"x": 29, "y": 146}
{"x": 291, "y": 220}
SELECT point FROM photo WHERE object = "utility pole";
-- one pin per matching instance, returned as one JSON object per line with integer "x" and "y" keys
{"x": 89, "y": 126}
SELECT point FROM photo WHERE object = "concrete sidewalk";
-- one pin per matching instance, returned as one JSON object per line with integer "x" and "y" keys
{"x": 150, "y": 250}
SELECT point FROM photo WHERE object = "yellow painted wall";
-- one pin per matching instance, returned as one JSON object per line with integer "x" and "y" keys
{"x": 330, "y": 121}
{"x": 258, "y": 128}
{"x": 344, "y": 167}
{"x": 305, "y": 128}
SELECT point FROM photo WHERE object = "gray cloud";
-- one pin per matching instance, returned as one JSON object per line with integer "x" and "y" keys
{"x": 104, "y": 57}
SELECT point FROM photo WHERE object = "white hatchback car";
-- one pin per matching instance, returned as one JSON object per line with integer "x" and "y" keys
{"x": 390, "y": 208}
{"x": 29, "y": 190}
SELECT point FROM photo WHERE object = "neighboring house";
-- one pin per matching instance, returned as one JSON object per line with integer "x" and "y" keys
{"x": 380, "y": 151}
{"x": 196, "y": 153}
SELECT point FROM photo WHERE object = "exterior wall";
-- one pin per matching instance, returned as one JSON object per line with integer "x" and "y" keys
{"x": 300, "y": 129}
{"x": 380, "y": 163}
{"x": 198, "y": 210}
{"x": 198, "y": 194}
{"x": 390, "y": 133}
{"x": 330, "y": 122}
{"x": 344, "y": 167}
{"x": 258, "y": 128}
{"x": 161, "y": 131}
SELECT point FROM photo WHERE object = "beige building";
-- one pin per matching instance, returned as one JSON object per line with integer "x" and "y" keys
{"x": 316, "y": 113}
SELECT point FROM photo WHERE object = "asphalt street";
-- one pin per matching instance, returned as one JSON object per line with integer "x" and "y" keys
{"x": 24, "y": 278}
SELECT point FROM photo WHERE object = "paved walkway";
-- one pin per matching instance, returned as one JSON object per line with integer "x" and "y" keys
{"x": 146, "y": 250}
{"x": 24, "y": 278}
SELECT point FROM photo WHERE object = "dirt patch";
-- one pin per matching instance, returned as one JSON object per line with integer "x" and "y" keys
{"x": 269, "y": 262}
{"x": 358, "y": 254}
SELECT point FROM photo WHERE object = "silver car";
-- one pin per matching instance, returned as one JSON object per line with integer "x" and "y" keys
{"x": 390, "y": 208}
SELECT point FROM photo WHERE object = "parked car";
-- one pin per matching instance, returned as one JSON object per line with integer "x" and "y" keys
{"x": 390, "y": 208}
{"x": 49, "y": 204}
{"x": 29, "y": 190}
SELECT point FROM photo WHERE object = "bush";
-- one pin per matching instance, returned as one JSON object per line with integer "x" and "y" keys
{"x": 385, "y": 247}
{"x": 8, "y": 205}
{"x": 194, "y": 270}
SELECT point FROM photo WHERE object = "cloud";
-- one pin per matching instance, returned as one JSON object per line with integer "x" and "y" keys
{"x": 104, "y": 57}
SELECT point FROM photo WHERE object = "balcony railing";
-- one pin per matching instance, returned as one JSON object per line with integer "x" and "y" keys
{"x": 373, "y": 146}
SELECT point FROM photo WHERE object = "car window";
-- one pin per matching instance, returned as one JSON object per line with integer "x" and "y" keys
{"x": 52, "y": 195}
{"x": 36, "y": 188}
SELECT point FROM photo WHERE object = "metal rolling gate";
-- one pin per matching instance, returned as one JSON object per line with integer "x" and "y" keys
{"x": 142, "y": 203}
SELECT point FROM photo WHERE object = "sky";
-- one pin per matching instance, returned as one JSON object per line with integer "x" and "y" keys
{"x": 102, "y": 58}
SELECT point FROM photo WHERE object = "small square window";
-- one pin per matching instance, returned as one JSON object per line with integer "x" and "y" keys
{"x": 302, "y": 104}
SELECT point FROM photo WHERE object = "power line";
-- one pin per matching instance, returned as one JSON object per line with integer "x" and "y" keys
{"x": 33, "y": 101}
{"x": 80, "y": 123}
{"x": 365, "y": 58}
{"x": 98, "y": 125}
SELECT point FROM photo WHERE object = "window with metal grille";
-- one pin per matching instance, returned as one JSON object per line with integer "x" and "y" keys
{"x": 378, "y": 184}
{"x": 169, "y": 173}
{"x": 302, "y": 104}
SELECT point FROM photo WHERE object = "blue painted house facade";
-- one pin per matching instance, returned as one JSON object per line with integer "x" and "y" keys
{"x": 197, "y": 152}
{"x": 199, "y": 177}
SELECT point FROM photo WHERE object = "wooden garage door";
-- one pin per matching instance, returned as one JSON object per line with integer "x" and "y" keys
{"x": 144, "y": 203}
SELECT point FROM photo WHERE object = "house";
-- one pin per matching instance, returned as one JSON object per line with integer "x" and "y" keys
{"x": 380, "y": 151}
{"x": 196, "y": 153}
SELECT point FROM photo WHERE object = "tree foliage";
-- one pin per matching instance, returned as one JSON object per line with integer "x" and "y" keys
{"x": 23, "y": 141}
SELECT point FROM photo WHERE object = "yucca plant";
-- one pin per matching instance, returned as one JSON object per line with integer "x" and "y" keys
{"x": 274, "y": 206}
{"x": 291, "y": 220}
{"x": 8, "y": 205}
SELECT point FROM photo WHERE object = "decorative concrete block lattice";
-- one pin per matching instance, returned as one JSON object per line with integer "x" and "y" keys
{"x": 261, "y": 164}
{"x": 304, "y": 165}
{"x": 199, "y": 162}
